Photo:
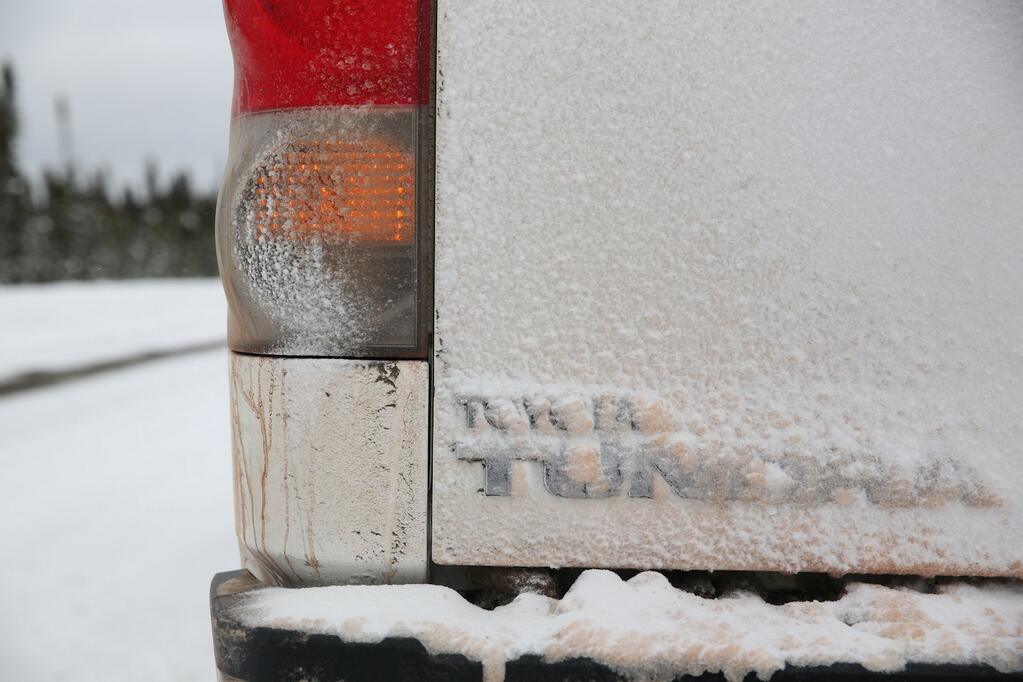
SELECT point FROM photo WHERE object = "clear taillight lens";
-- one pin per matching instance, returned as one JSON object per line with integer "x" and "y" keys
{"x": 319, "y": 225}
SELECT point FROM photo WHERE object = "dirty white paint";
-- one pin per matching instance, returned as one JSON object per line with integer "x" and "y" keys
{"x": 776, "y": 247}
{"x": 648, "y": 630}
{"x": 330, "y": 462}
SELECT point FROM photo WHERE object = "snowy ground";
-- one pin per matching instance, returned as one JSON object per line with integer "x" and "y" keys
{"x": 58, "y": 326}
{"x": 115, "y": 502}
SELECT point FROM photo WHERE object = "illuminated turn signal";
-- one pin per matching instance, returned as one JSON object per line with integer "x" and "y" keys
{"x": 338, "y": 191}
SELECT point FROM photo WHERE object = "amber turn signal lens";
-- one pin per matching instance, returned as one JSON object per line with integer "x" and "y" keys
{"x": 318, "y": 233}
{"x": 337, "y": 191}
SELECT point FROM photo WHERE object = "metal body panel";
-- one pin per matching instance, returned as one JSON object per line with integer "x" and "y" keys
{"x": 730, "y": 286}
{"x": 330, "y": 464}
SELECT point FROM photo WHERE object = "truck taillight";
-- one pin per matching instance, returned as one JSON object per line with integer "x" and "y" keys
{"x": 321, "y": 230}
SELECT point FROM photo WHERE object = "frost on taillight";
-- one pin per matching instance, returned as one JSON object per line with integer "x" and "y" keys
{"x": 321, "y": 231}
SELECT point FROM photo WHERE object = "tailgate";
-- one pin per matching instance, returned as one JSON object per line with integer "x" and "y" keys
{"x": 729, "y": 287}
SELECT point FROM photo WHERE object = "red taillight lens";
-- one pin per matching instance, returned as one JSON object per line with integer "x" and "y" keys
{"x": 319, "y": 224}
{"x": 309, "y": 53}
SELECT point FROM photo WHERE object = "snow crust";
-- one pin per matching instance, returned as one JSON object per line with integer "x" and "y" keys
{"x": 647, "y": 629}
{"x": 771, "y": 463}
{"x": 63, "y": 325}
{"x": 797, "y": 227}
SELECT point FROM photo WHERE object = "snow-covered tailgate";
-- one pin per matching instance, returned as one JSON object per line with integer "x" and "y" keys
{"x": 730, "y": 287}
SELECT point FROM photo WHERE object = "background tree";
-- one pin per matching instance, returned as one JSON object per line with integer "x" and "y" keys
{"x": 15, "y": 204}
{"x": 79, "y": 229}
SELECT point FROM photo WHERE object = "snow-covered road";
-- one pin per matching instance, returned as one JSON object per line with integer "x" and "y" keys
{"x": 55, "y": 327}
{"x": 115, "y": 498}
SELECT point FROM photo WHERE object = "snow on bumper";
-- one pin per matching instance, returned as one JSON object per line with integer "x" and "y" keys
{"x": 609, "y": 629}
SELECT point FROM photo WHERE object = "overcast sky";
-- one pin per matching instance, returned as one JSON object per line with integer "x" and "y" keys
{"x": 146, "y": 79}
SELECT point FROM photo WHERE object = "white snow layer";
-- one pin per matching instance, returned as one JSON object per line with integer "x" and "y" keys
{"x": 63, "y": 325}
{"x": 795, "y": 228}
{"x": 647, "y": 629}
{"x": 115, "y": 498}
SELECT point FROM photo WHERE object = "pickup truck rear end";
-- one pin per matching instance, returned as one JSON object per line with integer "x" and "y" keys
{"x": 519, "y": 289}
